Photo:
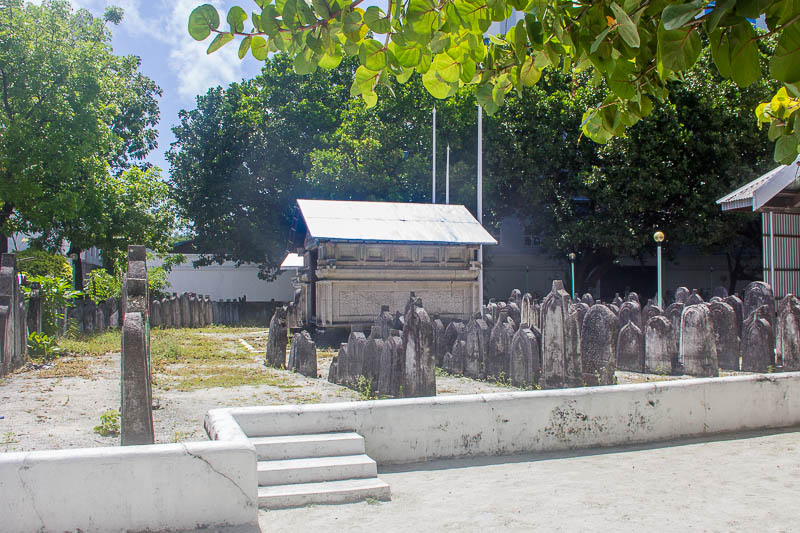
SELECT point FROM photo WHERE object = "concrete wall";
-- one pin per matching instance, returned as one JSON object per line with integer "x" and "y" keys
{"x": 134, "y": 488}
{"x": 227, "y": 282}
{"x": 410, "y": 430}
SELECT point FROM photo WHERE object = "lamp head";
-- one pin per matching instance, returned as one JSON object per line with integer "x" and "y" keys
{"x": 572, "y": 256}
{"x": 658, "y": 236}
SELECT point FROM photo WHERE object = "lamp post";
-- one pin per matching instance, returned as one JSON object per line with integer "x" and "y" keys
{"x": 659, "y": 238}
{"x": 74, "y": 258}
{"x": 571, "y": 257}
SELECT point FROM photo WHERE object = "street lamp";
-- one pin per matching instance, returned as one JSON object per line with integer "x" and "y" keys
{"x": 572, "y": 271}
{"x": 73, "y": 256}
{"x": 659, "y": 238}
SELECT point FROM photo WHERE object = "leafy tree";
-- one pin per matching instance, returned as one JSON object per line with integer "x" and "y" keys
{"x": 71, "y": 112}
{"x": 635, "y": 49}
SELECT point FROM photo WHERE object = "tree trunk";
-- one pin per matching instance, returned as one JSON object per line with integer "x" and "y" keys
{"x": 5, "y": 214}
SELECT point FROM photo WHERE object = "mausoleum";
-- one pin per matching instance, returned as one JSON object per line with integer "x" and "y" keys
{"x": 359, "y": 256}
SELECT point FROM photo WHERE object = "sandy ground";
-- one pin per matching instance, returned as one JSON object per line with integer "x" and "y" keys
{"x": 41, "y": 413}
{"x": 748, "y": 482}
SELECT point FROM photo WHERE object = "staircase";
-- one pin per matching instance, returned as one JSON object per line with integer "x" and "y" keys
{"x": 325, "y": 468}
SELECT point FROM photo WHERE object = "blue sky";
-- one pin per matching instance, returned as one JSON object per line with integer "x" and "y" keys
{"x": 155, "y": 30}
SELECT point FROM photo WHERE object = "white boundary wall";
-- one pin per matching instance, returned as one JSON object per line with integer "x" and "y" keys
{"x": 175, "y": 487}
{"x": 420, "y": 429}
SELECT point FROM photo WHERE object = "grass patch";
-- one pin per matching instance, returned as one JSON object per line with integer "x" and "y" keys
{"x": 193, "y": 377}
{"x": 68, "y": 367}
{"x": 91, "y": 344}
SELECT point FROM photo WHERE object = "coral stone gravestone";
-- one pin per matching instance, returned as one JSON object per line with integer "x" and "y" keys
{"x": 524, "y": 358}
{"x": 726, "y": 334}
{"x": 419, "y": 372}
{"x": 303, "y": 355}
{"x": 598, "y": 345}
{"x": 277, "y": 340}
{"x": 659, "y": 345}
{"x": 630, "y": 348}
{"x": 758, "y": 341}
{"x": 561, "y": 360}
{"x": 697, "y": 346}
{"x": 788, "y": 332}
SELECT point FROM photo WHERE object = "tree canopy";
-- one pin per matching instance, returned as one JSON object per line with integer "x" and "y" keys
{"x": 74, "y": 117}
{"x": 632, "y": 49}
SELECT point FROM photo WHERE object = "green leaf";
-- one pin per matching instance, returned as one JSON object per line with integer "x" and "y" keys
{"x": 421, "y": 16}
{"x": 678, "y": 49}
{"x": 468, "y": 69}
{"x": 331, "y": 59}
{"x": 745, "y": 64}
{"x": 289, "y": 14}
{"x": 528, "y": 73}
{"x": 676, "y": 15}
{"x": 786, "y": 150}
{"x": 244, "y": 46}
{"x": 219, "y": 41}
{"x": 627, "y": 29}
{"x": 720, "y": 8}
{"x": 376, "y": 20}
{"x": 598, "y": 41}
{"x": 258, "y": 47}
{"x": 202, "y": 21}
{"x": 785, "y": 63}
{"x": 446, "y": 68}
{"x": 304, "y": 62}
{"x": 620, "y": 80}
{"x": 407, "y": 57}
{"x": 434, "y": 85}
{"x": 322, "y": 9}
{"x": 366, "y": 79}
{"x": 721, "y": 52}
{"x": 535, "y": 31}
{"x": 269, "y": 20}
{"x": 370, "y": 98}
{"x": 592, "y": 127}
{"x": 405, "y": 75}
{"x": 236, "y": 18}
{"x": 372, "y": 55}
{"x": 751, "y": 9}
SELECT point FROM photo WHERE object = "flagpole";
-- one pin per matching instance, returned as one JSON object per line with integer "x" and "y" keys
{"x": 434, "y": 155}
{"x": 480, "y": 204}
{"x": 447, "y": 178}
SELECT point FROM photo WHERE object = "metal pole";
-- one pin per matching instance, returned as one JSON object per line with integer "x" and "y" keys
{"x": 771, "y": 255}
{"x": 480, "y": 202}
{"x": 434, "y": 155}
{"x": 658, "y": 261}
{"x": 572, "y": 272}
{"x": 447, "y": 178}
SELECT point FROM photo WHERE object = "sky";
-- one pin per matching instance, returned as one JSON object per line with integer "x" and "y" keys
{"x": 155, "y": 30}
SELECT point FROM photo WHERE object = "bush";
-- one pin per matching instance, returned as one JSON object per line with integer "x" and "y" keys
{"x": 57, "y": 295}
{"x": 41, "y": 345}
{"x": 109, "y": 424}
{"x": 100, "y": 285}
{"x": 34, "y": 262}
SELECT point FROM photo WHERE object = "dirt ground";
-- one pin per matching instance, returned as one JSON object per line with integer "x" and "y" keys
{"x": 58, "y": 405}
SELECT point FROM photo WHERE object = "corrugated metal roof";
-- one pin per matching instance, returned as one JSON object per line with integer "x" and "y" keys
{"x": 292, "y": 261}
{"x": 761, "y": 190}
{"x": 392, "y": 222}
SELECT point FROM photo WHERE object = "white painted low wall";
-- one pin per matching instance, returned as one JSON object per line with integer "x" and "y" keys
{"x": 173, "y": 487}
{"x": 410, "y": 430}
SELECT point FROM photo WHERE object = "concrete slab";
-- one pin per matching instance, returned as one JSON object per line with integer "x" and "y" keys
{"x": 749, "y": 481}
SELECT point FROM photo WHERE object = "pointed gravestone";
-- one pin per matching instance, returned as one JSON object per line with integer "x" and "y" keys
{"x": 682, "y": 295}
{"x": 738, "y": 307}
{"x": 617, "y": 300}
{"x": 758, "y": 294}
{"x": 277, "y": 339}
{"x": 451, "y": 333}
{"x": 303, "y": 355}
{"x": 758, "y": 341}
{"x": 497, "y": 359}
{"x": 650, "y": 310}
{"x": 419, "y": 363}
{"x": 337, "y": 363}
{"x": 721, "y": 292}
{"x": 515, "y": 297}
{"x": 526, "y": 311}
{"x": 439, "y": 344}
{"x": 788, "y": 332}
{"x": 698, "y": 351}
{"x": 659, "y": 346}
{"x": 391, "y": 369}
{"x": 353, "y": 365}
{"x": 560, "y": 340}
{"x": 155, "y": 314}
{"x": 588, "y": 299}
{"x": 581, "y": 308}
{"x": 384, "y": 321}
{"x": 598, "y": 345}
{"x": 514, "y": 314}
{"x": 524, "y": 358}
{"x": 630, "y": 348}
{"x": 630, "y": 311}
{"x": 726, "y": 336}
{"x": 632, "y": 297}
{"x": 476, "y": 337}
{"x": 674, "y": 312}
{"x": 694, "y": 298}
{"x": 373, "y": 351}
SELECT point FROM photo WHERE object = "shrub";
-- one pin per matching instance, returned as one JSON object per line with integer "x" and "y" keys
{"x": 109, "y": 424}
{"x": 35, "y": 262}
{"x": 100, "y": 285}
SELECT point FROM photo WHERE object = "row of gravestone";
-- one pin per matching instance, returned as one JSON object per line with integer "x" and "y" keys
{"x": 388, "y": 362}
{"x": 13, "y": 319}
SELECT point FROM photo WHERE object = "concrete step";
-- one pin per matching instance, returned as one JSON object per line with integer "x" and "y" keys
{"x": 315, "y": 469}
{"x": 329, "y": 492}
{"x": 317, "y": 445}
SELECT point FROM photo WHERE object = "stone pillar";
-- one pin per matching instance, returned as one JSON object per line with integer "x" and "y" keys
{"x": 353, "y": 366}
{"x": 207, "y": 307}
{"x": 155, "y": 314}
{"x": 758, "y": 341}
{"x": 13, "y": 321}
{"x": 497, "y": 361}
{"x": 303, "y": 355}
{"x": 419, "y": 376}
{"x": 390, "y": 376}
{"x": 561, "y": 359}
{"x": 726, "y": 334}
{"x": 439, "y": 344}
{"x": 697, "y": 347}
{"x": 136, "y": 426}
{"x": 476, "y": 337}
{"x": 373, "y": 349}
{"x": 186, "y": 312}
{"x": 788, "y": 332}
{"x": 524, "y": 366}
{"x": 277, "y": 340}
{"x": 599, "y": 345}
{"x": 384, "y": 321}
{"x": 659, "y": 347}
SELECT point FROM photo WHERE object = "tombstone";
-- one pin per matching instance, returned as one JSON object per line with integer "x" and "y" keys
{"x": 720, "y": 292}
{"x": 726, "y": 336}
{"x": 13, "y": 320}
{"x": 497, "y": 361}
{"x": 277, "y": 339}
{"x": 399, "y": 321}
{"x": 201, "y": 310}
{"x": 175, "y": 307}
{"x": 439, "y": 344}
{"x": 674, "y": 312}
{"x": 515, "y": 297}
{"x": 527, "y": 311}
{"x": 757, "y": 294}
{"x": 452, "y": 333}
{"x": 681, "y": 295}
{"x": 561, "y": 361}
{"x": 384, "y": 321}
{"x": 614, "y": 309}
{"x": 100, "y": 318}
{"x": 617, "y": 300}
{"x": 650, "y": 310}
{"x": 514, "y": 314}
{"x": 88, "y": 309}
{"x": 588, "y": 299}
{"x": 698, "y": 352}
{"x": 372, "y": 356}
{"x": 738, "y": 307}
{"x": 235, "y": 310}
{"x": 758, "y": 341}
{"x": 694, "y": 298}
{"x": 581, "y": 308}
{"x": 337, "y": 363}
{"x": 630, "y": 311}
{"x": 186, "y": 312}
{"x": 166, "y": 313}
{"x": 155, "y": 314}
{"x": 391, "y": 368}
{"x": 630, "y": 348}
{"x": 136, "y": 412}
{"x": 303, "y": 355}
{"x": 788, "y": 332}
{"x": 454, "y": 360}
{"x": 489, "y": 311}
{"x": 34, "y": 311}
{"x": 194, "y": 310}
{"x": 419, "y": 363}
{"x": 659, "y": 345}
{"x": 476, "y": 337}
{"x": 353, "y": 365}
{"x": 633, "y": 297}
{"x": 599, "y": 345}
{"x": 523, "y": 365}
